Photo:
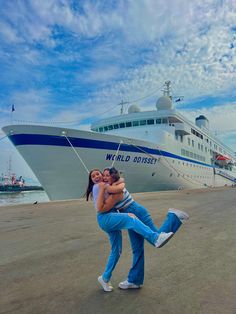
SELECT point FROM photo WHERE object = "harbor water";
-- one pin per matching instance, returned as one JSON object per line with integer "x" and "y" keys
{"x": 27, "y": 197}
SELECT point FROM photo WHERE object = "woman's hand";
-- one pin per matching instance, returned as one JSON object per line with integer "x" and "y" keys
{"x": 102, "y": 185}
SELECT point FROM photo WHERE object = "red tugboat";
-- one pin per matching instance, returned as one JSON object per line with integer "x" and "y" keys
{"x": 13, "y": 184}
{"x": 10, "y": 183}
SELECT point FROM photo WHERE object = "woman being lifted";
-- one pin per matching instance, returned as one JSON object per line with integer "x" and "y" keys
{"x": 112, "y": 222}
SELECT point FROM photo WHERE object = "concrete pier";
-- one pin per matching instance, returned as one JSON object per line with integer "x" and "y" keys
{"x": 52, "y": 253}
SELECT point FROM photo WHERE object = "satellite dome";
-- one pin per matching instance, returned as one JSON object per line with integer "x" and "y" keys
{"x": 164, "y": 103}
{"x": 133, "y": 109}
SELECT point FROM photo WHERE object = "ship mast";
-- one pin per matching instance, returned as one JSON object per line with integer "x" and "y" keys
{"x": 166, "y": 90}
{"x": 9, "y": 167}
{"x": 122, "y": 106}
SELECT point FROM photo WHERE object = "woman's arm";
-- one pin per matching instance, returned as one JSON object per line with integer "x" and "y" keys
{"x": 113, "y": 189}
{"x": 116, "y": 187}
{"x": 110, "y": 201}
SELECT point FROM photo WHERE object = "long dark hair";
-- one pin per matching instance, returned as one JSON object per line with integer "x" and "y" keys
{"x": 90, "y": 185}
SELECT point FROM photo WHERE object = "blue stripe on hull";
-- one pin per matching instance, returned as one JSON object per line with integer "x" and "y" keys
{"x": 53, "y": 140}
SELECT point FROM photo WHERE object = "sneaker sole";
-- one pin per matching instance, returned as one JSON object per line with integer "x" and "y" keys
{"x": 166, "y": 240}
{"x": 128, "y": 287}
{"x": 101, "y": 283}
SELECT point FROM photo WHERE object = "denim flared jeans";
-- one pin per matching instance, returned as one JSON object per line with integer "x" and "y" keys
{"x": 170, "y": 224}
{"x": 112, "y": 223}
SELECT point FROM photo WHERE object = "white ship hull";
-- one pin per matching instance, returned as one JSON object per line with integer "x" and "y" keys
{"x": 61, "y": 168}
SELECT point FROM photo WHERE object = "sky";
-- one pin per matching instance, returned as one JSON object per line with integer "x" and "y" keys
{"x": 68, "y": 62}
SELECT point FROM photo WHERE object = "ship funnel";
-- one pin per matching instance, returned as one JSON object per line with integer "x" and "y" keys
{"x": 202, "y": 121}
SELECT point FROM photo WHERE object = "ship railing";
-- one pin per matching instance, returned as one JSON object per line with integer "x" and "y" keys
{"x": 182, "y": 129}
{"x": 225, "y": 175}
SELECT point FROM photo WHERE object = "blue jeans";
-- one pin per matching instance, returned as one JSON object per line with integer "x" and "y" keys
{"x": 170, "y": 224}
{"x": 112, "y": 223}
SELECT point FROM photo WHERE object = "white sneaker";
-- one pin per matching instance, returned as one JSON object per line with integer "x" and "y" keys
{"x": 163, "y": 239}
{"x": 105, "y": 285}
{"x": 128, "y": 285}
{"x": 183, "y": 217}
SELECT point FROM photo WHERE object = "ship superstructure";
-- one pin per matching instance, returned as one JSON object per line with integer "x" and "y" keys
{"x": 154, "y": 150}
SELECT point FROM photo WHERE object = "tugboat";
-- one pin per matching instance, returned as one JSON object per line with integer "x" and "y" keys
{"x": 10, "y": 183}
{"x": 13, "y": 184}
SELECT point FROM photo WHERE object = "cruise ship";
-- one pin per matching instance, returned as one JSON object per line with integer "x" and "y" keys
{"x": 154, "y": 150}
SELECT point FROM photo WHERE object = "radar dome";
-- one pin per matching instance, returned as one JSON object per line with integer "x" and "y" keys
{"x": 164, "y": 103}
{"x": 133, "y": 109}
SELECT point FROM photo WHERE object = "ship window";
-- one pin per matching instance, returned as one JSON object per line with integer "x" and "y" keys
{"x": 164, "y": 120}
{"x": 158, "y": 121}
{"x": 191, "y": 154}
{"x": 193, "y": 143}
{"x": 135, "y": 123}
{"x": 150, "y": 121}
{"x": 122, "y": 125}
{"x": 105, "y": 128}
{"x": 101, "y": 129}
{"x": 143, "y": 122}
{"x": 187, "y": 153}
{"x": 110, "y": 127}
{"x": 128, "y": 124}
{"x": 116, "y": 126}
{"x": 198, "y": 146}
{"x": 189, "y": 141}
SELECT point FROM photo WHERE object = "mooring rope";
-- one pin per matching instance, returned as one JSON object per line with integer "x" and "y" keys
{"x": 191, "y": 180}
{"x": 3, "y": 137}
{"x": 77, "y": 154}
{"x": 116, "y": 153}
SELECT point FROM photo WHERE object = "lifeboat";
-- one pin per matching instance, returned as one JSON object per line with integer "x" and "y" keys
{"x": 222, "y": 159}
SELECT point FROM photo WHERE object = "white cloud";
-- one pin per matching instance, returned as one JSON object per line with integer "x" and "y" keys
{"x": 8, "y": 33}
{"x": 221, "y": 118}
{"x": 99, "y": 75}
{"x": 125, "y": 51}
{"x": 29, "y": 106}
{"x": 221, "y": 121}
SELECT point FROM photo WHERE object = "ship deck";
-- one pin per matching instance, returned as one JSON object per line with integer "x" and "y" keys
{"x": 52, "y": 254}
